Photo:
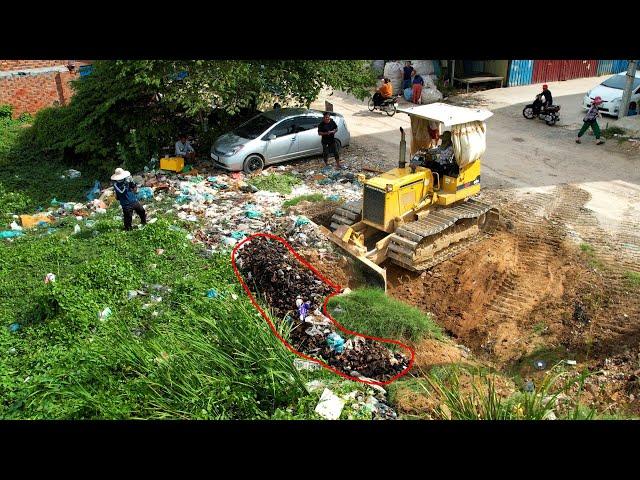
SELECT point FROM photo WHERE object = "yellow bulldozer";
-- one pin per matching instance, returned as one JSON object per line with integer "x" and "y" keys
{"x": 423, "y": 213}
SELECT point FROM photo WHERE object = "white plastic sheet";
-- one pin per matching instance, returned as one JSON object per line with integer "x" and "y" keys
{"x": 469, "y": 142}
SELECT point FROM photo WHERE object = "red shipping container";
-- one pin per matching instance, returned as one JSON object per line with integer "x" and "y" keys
{"x": 558, "y": 70}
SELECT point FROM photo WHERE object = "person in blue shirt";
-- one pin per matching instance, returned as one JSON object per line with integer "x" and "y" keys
{"x": 407, "y": 73}
{"x": 125, "y": 190}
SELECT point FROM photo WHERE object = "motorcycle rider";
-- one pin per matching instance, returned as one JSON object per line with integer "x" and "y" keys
{"x": 546, "y": 93}
{"x": 540, "y": 104}
{"x": 384, "y": 92}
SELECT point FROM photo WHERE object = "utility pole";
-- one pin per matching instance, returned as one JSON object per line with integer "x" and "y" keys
{"x": 626, "y": 96}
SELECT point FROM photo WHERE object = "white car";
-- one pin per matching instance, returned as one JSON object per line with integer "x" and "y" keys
{"x": 611, "y": 93}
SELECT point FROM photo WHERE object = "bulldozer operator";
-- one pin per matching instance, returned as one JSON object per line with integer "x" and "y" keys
{"x": 440, "y": 159}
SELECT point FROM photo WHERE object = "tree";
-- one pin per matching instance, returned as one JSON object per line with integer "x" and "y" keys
{"x": 126, "y": 110}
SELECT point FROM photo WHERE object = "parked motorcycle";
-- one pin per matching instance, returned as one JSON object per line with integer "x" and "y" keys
{"x": 388, "y": 105}
{"x": 548, "y": 114}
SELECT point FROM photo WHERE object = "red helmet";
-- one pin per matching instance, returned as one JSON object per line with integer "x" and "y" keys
{"x": 597, "y": 100}
{"x": 545, "y": 86}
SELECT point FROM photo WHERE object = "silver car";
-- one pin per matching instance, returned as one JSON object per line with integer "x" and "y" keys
{"x": 273, "y": 137}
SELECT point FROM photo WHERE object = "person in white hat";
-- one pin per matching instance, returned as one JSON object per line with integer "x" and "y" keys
{"x": 125, "y": 190}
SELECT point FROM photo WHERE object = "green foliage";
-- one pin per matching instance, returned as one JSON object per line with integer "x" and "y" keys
{"x": 479, "y": 399}
{"x": 313, "y": 197}
{"x": 633, "y": 278}
{"x": 185, "y": 356}
{"x": 590, "y": 254}
{"x": 280, "y": 183}
{"x": 585, "y": 247}
{"x": 609, "y": 132}
{"x": 5, "y": 111}
{"x": 370, "y": 311}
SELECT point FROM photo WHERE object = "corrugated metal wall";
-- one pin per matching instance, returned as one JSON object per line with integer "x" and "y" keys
{"x": 558, "y": 70}
{"x": 620, "y": 66}
{"x": 605, "y": 67}
{"x": 520, "y": 72}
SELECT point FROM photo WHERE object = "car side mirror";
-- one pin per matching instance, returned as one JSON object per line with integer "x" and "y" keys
{"x": 271, "y": 137}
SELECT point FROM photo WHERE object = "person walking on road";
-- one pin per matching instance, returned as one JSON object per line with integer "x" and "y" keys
{"x": 327, "y": 130}
{"x": 591, "y": 120}
{"x": 125, "y": 189}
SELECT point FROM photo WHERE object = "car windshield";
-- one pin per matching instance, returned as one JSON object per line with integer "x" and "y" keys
{"x": 254, "y": 127}
{"x": 619, "y": 82}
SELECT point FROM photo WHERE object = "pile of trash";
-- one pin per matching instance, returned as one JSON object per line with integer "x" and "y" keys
{"x": 296, "y": 295}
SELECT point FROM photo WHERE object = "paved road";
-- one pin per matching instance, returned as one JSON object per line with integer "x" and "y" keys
{"x": 521, "y": 153}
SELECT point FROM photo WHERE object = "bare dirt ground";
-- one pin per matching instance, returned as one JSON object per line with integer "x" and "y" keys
{"x": 556, "y": 281}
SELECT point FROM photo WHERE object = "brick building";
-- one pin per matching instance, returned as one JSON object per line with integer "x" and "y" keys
{"x": 29, "y": 85}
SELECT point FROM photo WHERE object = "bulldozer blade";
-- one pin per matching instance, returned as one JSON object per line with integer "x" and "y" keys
{"x": 370, "y": 273}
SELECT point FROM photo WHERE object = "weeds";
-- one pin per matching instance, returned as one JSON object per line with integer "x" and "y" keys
{"x": 633, "y": 278}
{"x": 280, "y": 183}
{"x": 610, "y": 132}
{"x": 370, "y": 311}
{"x": 313, "y": 197}
{"x": 478, "y": 397}
{"x": 591, "y": 258}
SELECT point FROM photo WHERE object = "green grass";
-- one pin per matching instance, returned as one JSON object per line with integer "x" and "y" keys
{"x": 591, "y": 257}
{"x": 370, "y": 311}
{"x": 280, "y": 183}
{"x": 313, "y": 197}
{"x": 633, "y": 278}
{"x": 187, "y": 356}
{"x": 539, "y": 327}
{"x": 25, "y": 184}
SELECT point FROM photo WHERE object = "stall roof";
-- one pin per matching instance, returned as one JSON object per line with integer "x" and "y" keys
{"x": 447, "y": 114}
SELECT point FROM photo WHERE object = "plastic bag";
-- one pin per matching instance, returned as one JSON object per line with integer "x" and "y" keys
{"x": 408, "y": 94}
{"x": 145, "y": 193}
{"x": 336, "y": 343}
{"x": 10, "y": 233}
{"x": 93, "y": 193}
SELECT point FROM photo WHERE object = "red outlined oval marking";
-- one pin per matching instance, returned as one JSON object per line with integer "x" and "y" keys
{"x": 336, "y": 290}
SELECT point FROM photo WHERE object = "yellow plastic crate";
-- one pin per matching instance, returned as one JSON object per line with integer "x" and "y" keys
{"x": 175, "y": 164}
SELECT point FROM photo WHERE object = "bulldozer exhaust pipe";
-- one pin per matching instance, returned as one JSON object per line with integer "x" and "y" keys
{"x": 402, "y": 163}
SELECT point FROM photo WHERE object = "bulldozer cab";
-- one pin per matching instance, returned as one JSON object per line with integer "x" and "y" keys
{"x": 468, "y": 137}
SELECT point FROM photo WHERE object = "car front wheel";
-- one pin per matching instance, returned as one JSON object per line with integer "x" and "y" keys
{"x": 253, "y": 163}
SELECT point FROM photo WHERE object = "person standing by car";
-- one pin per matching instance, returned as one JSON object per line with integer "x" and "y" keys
{"x": 418, "y": 83}
{"x": 125, "y": 190}
{"x": 384, "y": 92}
{"x": 184, "y": 148}
{"x": 327, "y": 130}
{"x": 591, "y": 120}
{"x": 407, "y": 73}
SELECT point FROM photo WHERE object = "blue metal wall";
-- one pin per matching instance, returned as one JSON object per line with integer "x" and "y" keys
{"x": 520, "y": 72}
{"x": 620, "y": 66}
{"x": 605, "y": 67}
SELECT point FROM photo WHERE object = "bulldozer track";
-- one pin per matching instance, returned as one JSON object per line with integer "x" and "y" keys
{"x": 566, "y": 217}
{"x": 347, "y": 214}
{"x": 406, "y": 241}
